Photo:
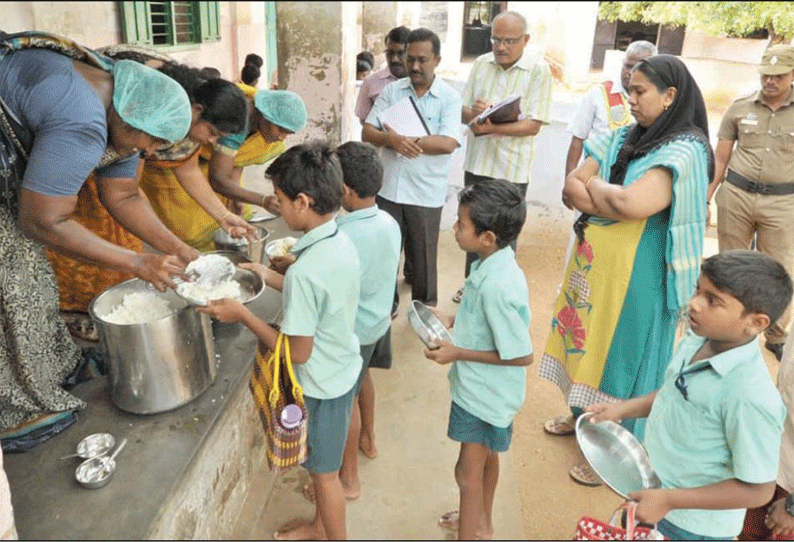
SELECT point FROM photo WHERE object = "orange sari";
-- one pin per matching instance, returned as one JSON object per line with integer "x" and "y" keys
{"x": 80, "y": 282}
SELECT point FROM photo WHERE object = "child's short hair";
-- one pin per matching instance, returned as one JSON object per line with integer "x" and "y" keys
{"x": 313, "y": 169}
{"x": 760, "y": 283}
{"x": 497, "y": 206}
{"x": 362, "y": 170}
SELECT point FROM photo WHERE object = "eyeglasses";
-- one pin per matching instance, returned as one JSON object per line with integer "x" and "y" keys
{"x": 496, "y": 42}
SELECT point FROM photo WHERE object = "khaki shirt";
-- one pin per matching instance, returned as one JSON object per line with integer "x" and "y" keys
{"x": 765, "y": 149}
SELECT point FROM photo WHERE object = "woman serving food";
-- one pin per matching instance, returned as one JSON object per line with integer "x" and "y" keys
{"x": 67, "y": 111}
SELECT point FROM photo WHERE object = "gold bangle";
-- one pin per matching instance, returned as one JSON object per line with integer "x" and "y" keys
{"x": 264, "y": 199}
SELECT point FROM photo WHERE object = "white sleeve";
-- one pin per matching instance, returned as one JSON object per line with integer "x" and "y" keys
{"x": 582, "y": 121}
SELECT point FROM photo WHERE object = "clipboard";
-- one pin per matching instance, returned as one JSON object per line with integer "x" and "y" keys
{"x": 508, "y": 110}
{"x": 404, "y": 118}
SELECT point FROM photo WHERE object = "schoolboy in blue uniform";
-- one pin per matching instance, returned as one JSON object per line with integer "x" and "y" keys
{"x": 377, "y": 238}
{"x": 491, "y": 350}
{"x": 714, "y": 427}
{"x": 320, "y": 292}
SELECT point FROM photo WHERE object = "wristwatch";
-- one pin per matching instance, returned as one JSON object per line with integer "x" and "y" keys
{"x": 789, "y": 504}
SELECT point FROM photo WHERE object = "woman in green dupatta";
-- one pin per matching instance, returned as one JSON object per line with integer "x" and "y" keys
{"x": 642, "y": 192}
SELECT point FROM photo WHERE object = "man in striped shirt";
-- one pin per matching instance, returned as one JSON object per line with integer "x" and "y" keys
{"x": 505, "y": 151}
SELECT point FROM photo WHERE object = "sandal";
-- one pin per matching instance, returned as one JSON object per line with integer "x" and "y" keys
{"x": 583, "y": 474}
{"x": 458, "y": 295}
{"x": 560, "y": 426}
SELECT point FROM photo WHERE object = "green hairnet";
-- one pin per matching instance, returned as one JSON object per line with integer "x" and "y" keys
{"x": 283, "y": 108}
{"x": 151, "y": 101}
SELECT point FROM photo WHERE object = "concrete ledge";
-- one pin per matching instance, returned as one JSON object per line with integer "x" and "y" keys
{"x": 185, "y": 474}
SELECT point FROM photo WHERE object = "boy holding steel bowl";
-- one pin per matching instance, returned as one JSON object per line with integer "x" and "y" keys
{"x": 491, "y": 350}
{"x": 320, "y": 297}
{"x": 714, "y": 427}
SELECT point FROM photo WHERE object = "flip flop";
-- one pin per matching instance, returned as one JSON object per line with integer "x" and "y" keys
{"x": 449, "y": 520}
{"x": 583, "y": 474}
{"x": 560, "y": 426}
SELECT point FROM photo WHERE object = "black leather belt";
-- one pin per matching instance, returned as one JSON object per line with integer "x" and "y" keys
{"x": 777, "y": 189}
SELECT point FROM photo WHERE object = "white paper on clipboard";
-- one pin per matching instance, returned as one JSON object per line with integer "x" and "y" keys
{"x": 404, "y": 118}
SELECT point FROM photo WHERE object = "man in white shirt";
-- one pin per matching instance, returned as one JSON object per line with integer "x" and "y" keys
{"x": 605, "y": 106}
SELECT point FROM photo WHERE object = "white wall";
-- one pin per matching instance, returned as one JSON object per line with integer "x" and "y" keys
{"x": 564, "y": 31}
{"x": 95, "y": 24}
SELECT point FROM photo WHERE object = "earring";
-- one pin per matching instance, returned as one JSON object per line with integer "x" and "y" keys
{"x": 665, "y": 107}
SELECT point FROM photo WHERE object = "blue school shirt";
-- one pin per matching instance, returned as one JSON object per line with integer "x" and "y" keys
{"x": 320, "y": 300}
{"x": 730, "y": 427}
{"x": 423, "y": 180}
{"x": 377, "y": 239}
{"x": 493, "y": 316}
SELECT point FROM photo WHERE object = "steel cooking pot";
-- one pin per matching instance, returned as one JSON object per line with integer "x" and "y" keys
{"x": 160, "y": 364}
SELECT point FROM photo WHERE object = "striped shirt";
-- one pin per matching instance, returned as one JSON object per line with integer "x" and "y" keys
{"x": 498, "y": 156}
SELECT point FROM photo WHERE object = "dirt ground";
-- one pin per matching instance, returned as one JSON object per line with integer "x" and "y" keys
{"x": 551, "y": 503}
{"x": 535, "y": 471}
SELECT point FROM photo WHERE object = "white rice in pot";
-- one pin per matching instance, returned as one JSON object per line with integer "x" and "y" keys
{"x": 138, "y": 308}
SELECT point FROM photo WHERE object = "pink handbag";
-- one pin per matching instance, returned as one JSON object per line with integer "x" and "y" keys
{"x": 590, "y": 528}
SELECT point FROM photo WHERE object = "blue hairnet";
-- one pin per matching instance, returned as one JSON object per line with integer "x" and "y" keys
{"x": 283, "y": 108}
{"x": 151, "y": 101}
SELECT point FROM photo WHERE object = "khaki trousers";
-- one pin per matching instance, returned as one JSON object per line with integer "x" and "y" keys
{"x": 740, "y": 215}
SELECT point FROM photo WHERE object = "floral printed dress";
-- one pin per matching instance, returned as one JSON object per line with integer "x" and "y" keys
{"x": 614, "y": 323}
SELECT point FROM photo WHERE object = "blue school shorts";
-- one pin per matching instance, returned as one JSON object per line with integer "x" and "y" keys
{"x": 329, "y": 422}
{"x": 673, "y": 532}
{"x": 466, "y": 427}
{"x": 377, "y": 352}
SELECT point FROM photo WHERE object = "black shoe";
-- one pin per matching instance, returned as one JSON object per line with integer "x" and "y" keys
{"x": 776, "y": 349}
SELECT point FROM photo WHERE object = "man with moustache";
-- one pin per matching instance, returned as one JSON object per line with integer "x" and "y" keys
{"x": 505, "y": 151}
{"x": 416, "y": 169}
{"x": 372, "y": 85}
{"x": 756, "y": 147}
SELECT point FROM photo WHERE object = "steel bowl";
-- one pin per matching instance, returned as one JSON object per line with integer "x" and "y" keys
{"x": 254, "y": 251}
{"x": 236, "y": 257}
{"x": 427, "y": 326}
{"x": 251, "y": 286}
{"x": 276, "y": 244}
{"x": 95, "y": 445}
{"x": 96, "y": 472}
{"x": 616, "y": 456}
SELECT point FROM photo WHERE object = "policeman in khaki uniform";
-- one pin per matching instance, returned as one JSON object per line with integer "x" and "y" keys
{"x": 755, "y": 155}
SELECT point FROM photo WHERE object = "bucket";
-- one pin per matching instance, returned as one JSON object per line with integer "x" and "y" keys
{"x": 254, "y": 251}
{"x": 160, "y": 364}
